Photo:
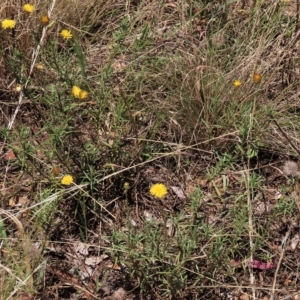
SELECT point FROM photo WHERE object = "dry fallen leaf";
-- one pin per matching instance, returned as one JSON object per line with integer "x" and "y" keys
{"x": 294, "y": 242}
{"x": 17, "y": 201}
{"x": 105, "y": 290}
{"x": 119, "y": 294}
{"x": 262, "y": 207}
{"x": 9, "y": 155}
{"x": 148, "y": 216}
{"x": 82, "y": 248}
{"x": 244, "y": 297}
{"x": 287, "y": 281}
{"x": 133, "y": 223}
{"x": 179, "y": 192}
{"x": 95, "y": 260}
{"x": 171, "y": 229}
{"x": 113, "y": 266}
{"x": 12, "y": 202}
{"x": 235, "y": 263}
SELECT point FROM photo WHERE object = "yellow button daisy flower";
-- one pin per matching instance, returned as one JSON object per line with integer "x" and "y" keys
{"x": 83, "y": 94}
{"x": 67, "y": 180}
{"x": 8, "y": 24}
{"x": 66, "y": 34}
{"x": 237, "y": 83}
{"x": 158, "y": 190}
{"x": 76, "y": 91}
{"x": 28, "y": 8}
{"x": 79, "y": 93}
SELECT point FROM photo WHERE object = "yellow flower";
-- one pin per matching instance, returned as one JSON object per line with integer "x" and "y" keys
{"x": 28, "y": 8}
{"x": 79, "y": 93}
{"x": 8, "y": 24}
{"x": 44, "y": 20}
{"x": 237, "y": 83}
{"x": 83, "y": 94}
{"x": 158, "y": 190}
{"x": 67, "y": 180}
{"x": 256, "y": 78}
{"x": 66, "y": 34}
{"x": 76, "y": 91}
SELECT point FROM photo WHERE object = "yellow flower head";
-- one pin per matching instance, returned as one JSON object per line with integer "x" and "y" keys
{"x": 79, "y": 93}
{"x": 44, "y": 20}
{"x": 76, "y": 91}
{"x": 8, "y": 24}
{"x": 28, "y": 8}
{"x": 256, "y": 78}
{"x": 66, "y": 34}
{"x": 237, "y": 83}
{"x": 67, "y": 180}
{"x": 158, "y": 190}
{"x": 83, "y": 94}
{"x": 126, "y": 185}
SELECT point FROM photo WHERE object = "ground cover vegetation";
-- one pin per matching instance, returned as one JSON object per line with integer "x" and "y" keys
{"x": 149, "y": 149}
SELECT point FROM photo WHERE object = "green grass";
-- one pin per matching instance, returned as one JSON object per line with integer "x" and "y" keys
{"x": 161, "y": 107}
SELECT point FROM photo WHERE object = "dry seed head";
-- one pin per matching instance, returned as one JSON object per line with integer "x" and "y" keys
{"x": 40, "y": 66}
{"x": 290, "y": 168}
{"x": 55, "y": 171}
{"x": 256, "y": 78}
{"x": 44, "y": 20}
